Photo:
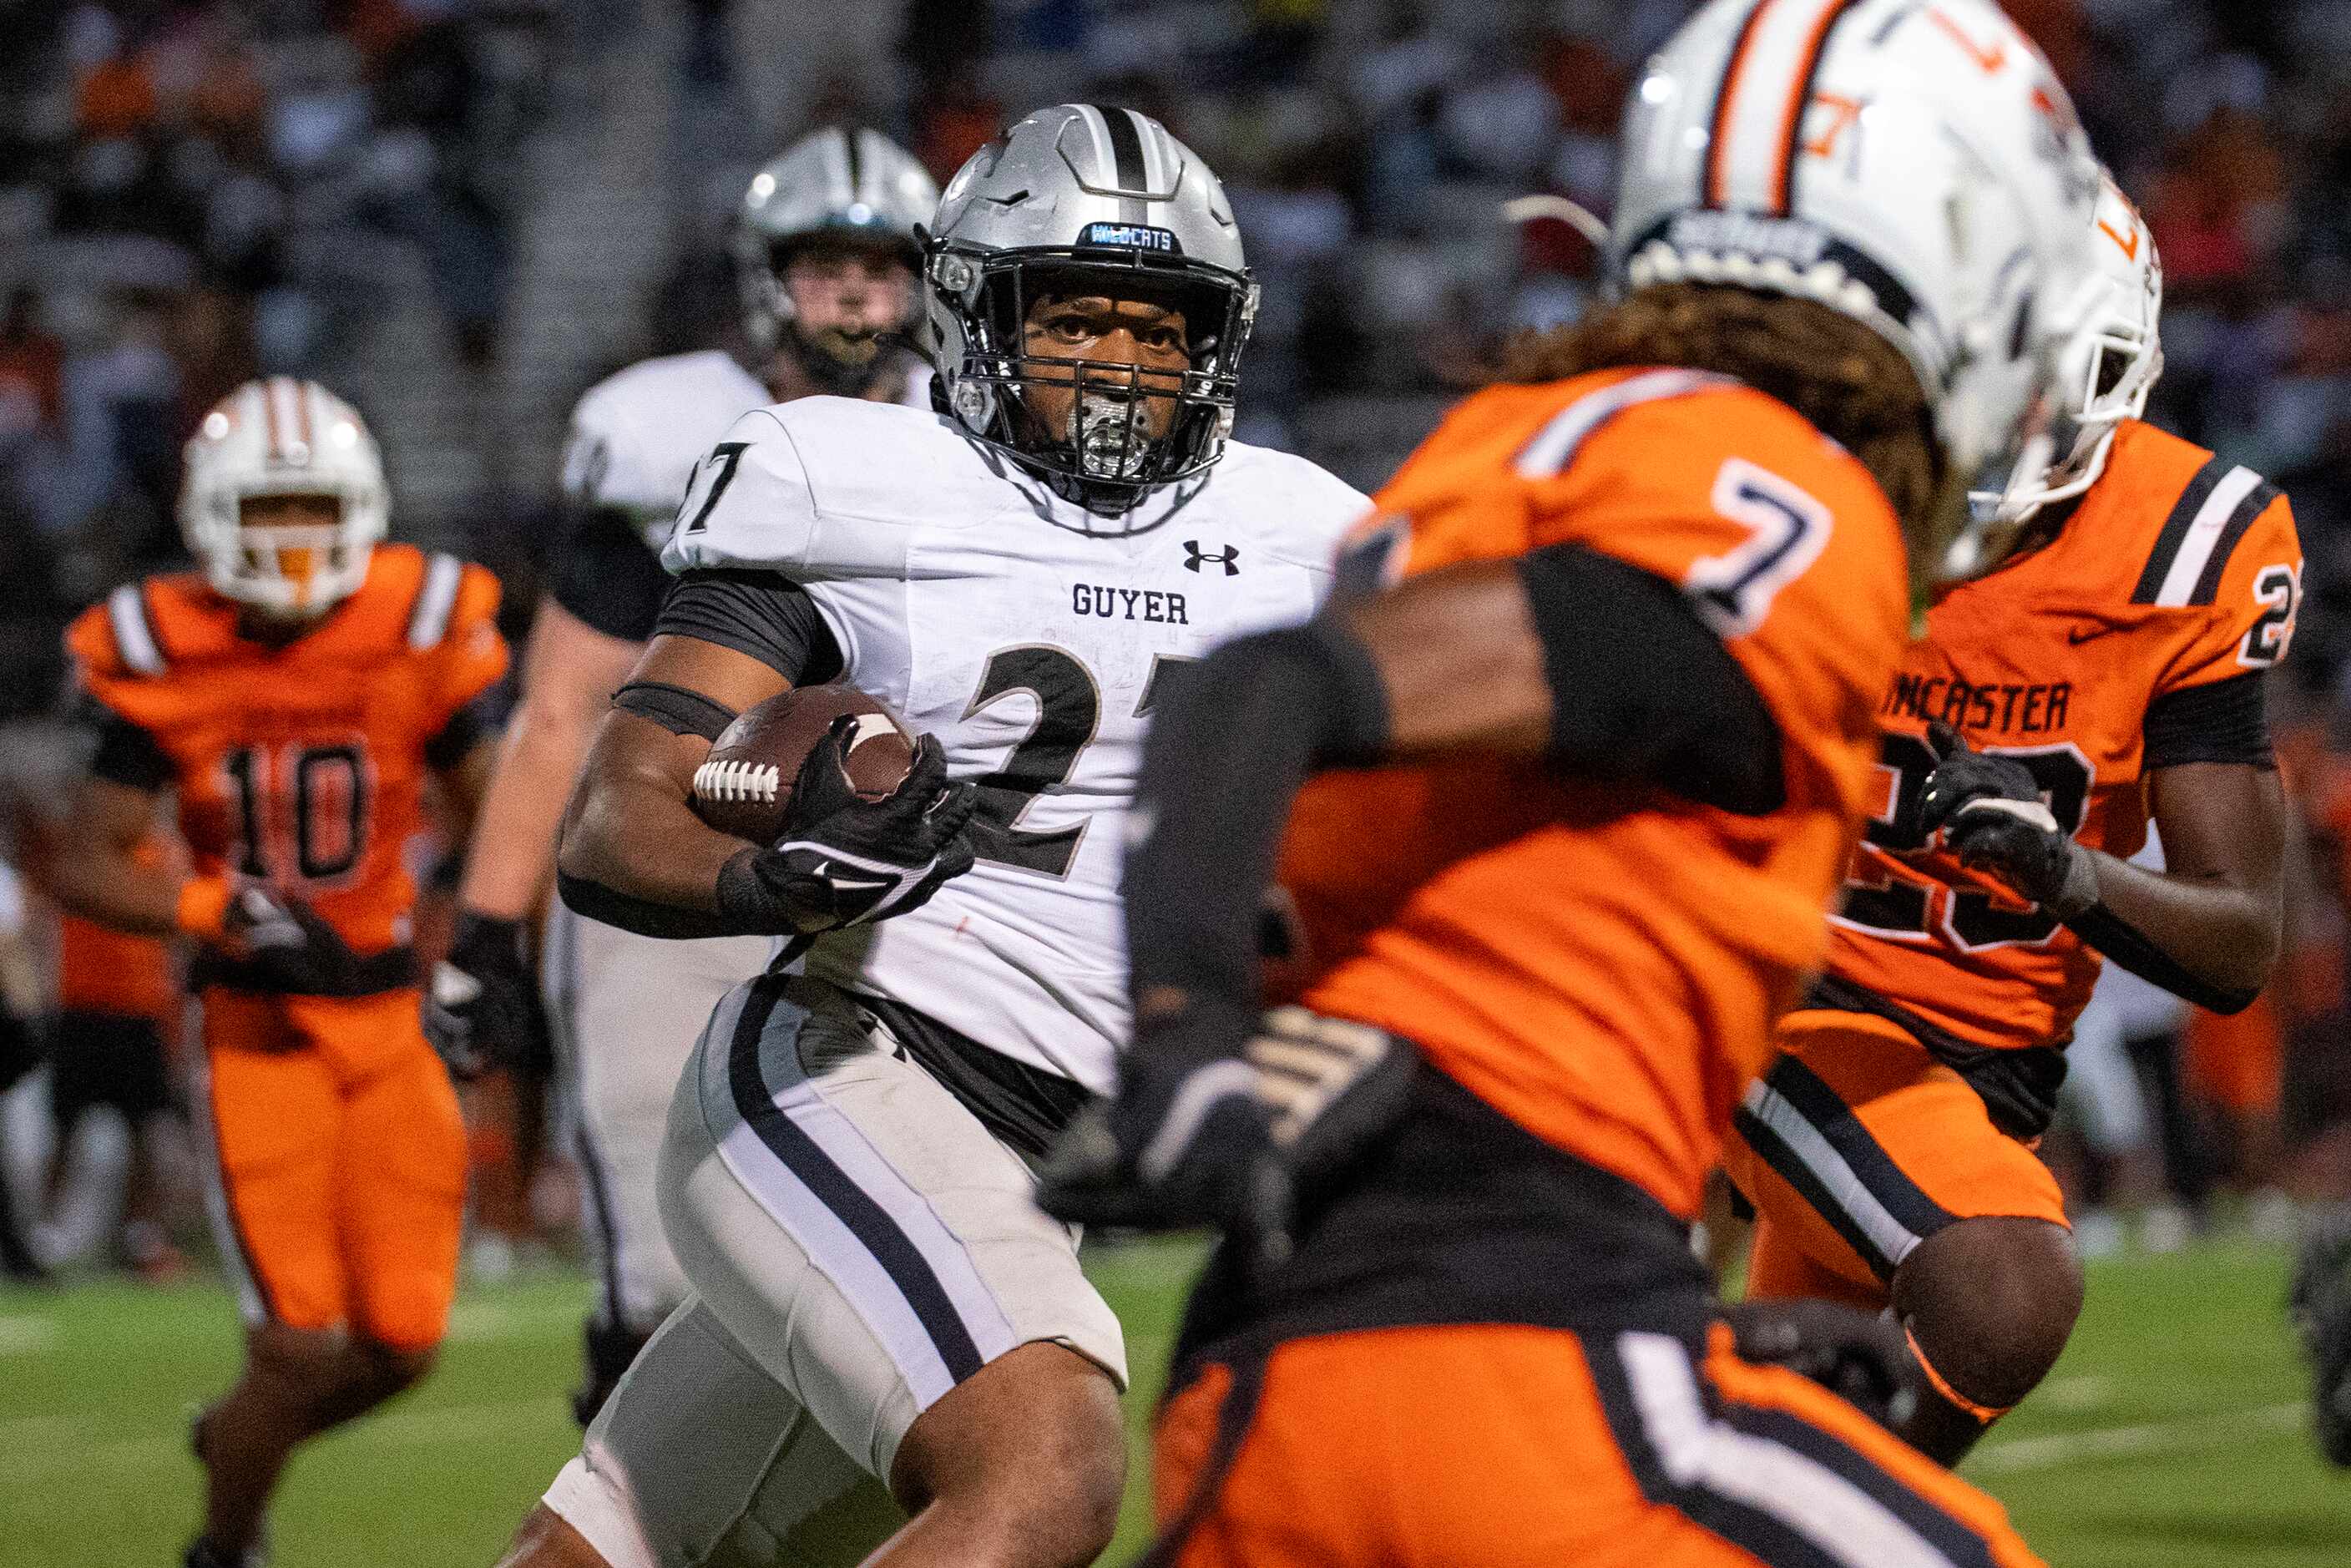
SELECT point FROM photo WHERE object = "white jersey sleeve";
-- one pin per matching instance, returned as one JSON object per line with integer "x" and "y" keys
{"x": 635, "y": 435}
{"x": 747, "y": 503}
{"x": 751, "y": 503}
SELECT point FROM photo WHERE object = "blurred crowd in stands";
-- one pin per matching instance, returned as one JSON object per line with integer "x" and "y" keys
{"x": 192, "y": 193}
{"x": 194, "y": 190}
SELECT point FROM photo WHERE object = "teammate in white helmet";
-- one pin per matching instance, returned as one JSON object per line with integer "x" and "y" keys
{"x": 826, "y": 256}
{"x": 1559, "y": 803}
{"x": 878, "y": 1301}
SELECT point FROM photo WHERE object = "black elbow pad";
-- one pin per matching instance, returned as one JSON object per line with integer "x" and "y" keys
{"x": 1642, "y": 689}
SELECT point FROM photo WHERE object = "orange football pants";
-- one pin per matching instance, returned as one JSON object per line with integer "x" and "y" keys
{"x": 1854, "y": 1146}
{"x": 342, "y": 1162}
{"x": 1495, "y": 1446}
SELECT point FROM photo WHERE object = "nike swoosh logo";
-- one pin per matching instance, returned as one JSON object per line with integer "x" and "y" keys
{"x": 847, "y": 882}
{"x": 2078, "y": 635}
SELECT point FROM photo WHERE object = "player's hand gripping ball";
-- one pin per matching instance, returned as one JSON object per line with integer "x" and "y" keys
{"x": 855, "y": 818}
{"x": 743, "y": 788}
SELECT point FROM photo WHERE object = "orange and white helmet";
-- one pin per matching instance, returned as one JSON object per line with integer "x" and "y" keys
{"x": 280, "y": 436}
{"x": 1914, "y": 166}
{"x": 2108, "y": 369}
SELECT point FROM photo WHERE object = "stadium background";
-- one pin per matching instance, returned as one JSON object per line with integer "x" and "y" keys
{"x": 460, "y": 213}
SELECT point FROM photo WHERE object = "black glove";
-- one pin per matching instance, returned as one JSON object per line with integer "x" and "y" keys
{"x": 282, "y": 941}
{"x": 482, "y": 1009}
{"x": 1859, "y": 1357}
{"x": 1993, "y": 819}
{"x": 843, "y": 860}
{"x": 1221, "y": 1117}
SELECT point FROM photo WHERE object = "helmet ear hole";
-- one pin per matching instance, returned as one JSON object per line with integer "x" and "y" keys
{"x": 2112, "y": 368}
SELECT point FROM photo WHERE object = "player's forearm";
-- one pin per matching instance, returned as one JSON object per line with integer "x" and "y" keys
{"x": 569, "y": 672}
{"x": 1234, "y": 740}
{"x": 2225, "y": 937}
{"x": 104, "y": 884}
{"x": 630, "y": 829}
{"x": 510, "y": 853}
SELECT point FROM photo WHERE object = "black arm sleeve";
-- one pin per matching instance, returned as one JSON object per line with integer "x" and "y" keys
{"x": 608, "y": 576}
{"x": 126, "y": 754}
{"x": 1642, "y": 690}
{"x": 1234, "y": 738}
{"x": 2223, "y": 721}
{"x": 466, "y": 728}
{"x": 2111, "y": 935}
{"x": 761, "y": 613}
{"x": 645, "y": 917}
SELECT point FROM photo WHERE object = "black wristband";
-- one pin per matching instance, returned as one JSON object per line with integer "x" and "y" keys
{"x": 750, "y": 899}
{"x": 675, "y": 708}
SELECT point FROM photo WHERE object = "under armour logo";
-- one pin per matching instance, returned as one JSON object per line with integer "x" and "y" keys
{"x": 1230, "y": 558}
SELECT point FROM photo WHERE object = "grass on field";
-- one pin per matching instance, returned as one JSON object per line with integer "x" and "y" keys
{"x": 2172, "y": 1436}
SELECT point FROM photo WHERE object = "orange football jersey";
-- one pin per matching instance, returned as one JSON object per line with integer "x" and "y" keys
{"x": 1606, "y": 969}
{"x": 2178, "y": 568}
{"x": 302, "y": 764}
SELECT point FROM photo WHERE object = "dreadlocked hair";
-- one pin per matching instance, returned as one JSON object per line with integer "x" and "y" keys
{"x": 1852, "y": 385}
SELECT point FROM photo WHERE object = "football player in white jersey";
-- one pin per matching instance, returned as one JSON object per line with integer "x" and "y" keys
{"x": 846, "y": 1177}
{"x": 826, "y": 256}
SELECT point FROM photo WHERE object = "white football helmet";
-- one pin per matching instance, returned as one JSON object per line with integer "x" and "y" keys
{"x": 283, "y": 437}
{"x": 2106, "y": 371}
{"x": 835, "y": 181}
{"x": 1106, "y": 195}
{"x": 1917, "y": 167}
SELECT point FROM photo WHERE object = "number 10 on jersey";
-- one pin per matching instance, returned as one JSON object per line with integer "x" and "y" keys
{"x": 298, "y": 812}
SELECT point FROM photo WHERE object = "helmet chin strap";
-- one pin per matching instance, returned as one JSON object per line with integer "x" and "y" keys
{"x": 830, "y": 372}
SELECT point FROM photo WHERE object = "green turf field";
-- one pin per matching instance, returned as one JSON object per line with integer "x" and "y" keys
{"x": 2171, "y": 1437}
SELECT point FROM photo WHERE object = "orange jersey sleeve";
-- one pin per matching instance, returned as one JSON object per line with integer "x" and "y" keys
{"x": 302, "y": 763}
{"x": 1600, "y": 963}
{"x": 2176, "y": 570}
{"x": 470, "y": 655}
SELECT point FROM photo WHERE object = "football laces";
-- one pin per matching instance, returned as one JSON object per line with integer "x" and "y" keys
{"x": 757, "y": 782}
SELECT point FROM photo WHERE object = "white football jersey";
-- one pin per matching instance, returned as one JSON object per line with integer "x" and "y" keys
{"x": 636, "y": 434}
{"x": 1015, "y": 627}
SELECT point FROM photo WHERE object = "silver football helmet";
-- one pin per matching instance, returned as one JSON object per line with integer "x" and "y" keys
{"x": 833, "y": 182}
{"x": 1106, "y": 198}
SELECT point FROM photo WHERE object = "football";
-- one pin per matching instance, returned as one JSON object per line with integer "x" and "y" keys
{"x": 745, "y": 786}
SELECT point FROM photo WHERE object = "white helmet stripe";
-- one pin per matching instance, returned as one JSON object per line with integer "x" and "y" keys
{"x": 266, "y": 394}
{"x": 286, "y": 420}
{"x": 1758, "y": 119}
